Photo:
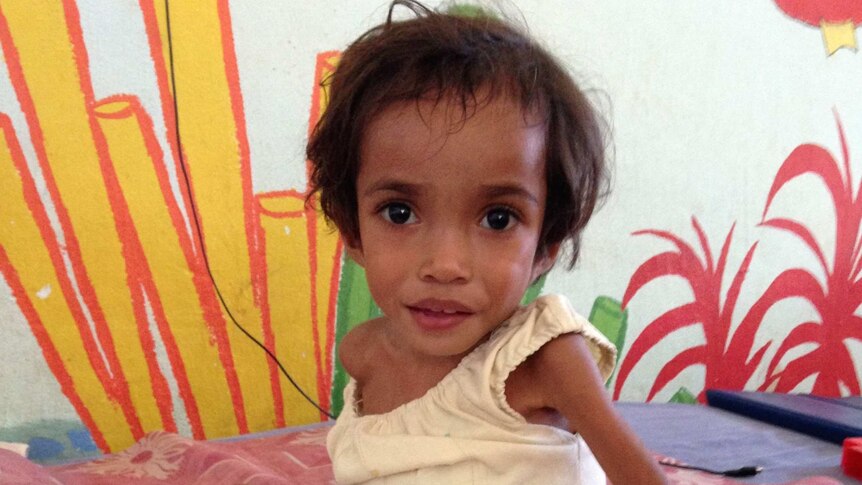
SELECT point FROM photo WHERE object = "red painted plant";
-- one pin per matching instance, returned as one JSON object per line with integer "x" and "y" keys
{"x": 730, "y": 360}
{"x": 838, "y": 297}
{"x": 727, "y": 357}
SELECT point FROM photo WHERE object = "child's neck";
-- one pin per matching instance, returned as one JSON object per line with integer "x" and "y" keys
{"x": 400, "y": 376}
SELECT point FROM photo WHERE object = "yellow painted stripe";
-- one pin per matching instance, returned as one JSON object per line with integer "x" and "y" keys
{"x": 289, "y": 287}
{"x": 22, "y": 241}
{"x": 51, "y": 75}
{"x": 170, "y": 268}
{"x": 209, "y": 134}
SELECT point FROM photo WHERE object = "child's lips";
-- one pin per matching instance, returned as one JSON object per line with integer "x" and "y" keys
{"x": 437, "y": 315}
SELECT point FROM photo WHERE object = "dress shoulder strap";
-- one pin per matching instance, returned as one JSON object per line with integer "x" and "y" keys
{"x": 532, "y": 327}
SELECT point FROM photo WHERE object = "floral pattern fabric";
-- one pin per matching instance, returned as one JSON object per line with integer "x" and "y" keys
{"x": 297, "y": 457}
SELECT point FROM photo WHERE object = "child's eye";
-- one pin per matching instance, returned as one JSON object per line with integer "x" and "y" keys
{"x": 498, "y": 219}
{"x": 398, "y": 213}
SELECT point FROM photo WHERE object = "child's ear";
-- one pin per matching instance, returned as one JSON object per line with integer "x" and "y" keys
{"x": 545, "y": 260}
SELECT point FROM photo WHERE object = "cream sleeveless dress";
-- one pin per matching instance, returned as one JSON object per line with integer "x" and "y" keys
{"x": 462, "y": 431}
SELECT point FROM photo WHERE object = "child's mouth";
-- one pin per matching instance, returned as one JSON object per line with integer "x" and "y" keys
{"x": 436, "y": 315}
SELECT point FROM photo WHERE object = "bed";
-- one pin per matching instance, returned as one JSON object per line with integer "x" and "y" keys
{"x": 684, "y": 433}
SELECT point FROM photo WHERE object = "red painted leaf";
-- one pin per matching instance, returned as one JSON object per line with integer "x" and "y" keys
{"x": 855, "y": 297}
{"x": 790, "y": 283}
{"x": 801, "y": 232}
{"x": 854, "y": 329}
{"x": 736, "y": 284}
{"x": 680, "y": 362}
{"x": 841, "y": 370}
{"x": 685, "y": 250}
{"x": 722, "y": 257}
{"x": 811, "y": 159}
{"x": 840, "y": 295}
{"x": 704, "y": 244}
{"x": 664, "y": 264}
{"x": 658, "y": 329}
{"x": 845, "y": 150}
{"x": 808, "y": 332}
{"x": 753, "y": 362}
{"x": 798, "y": 370}
{"x": 706, "y": 309}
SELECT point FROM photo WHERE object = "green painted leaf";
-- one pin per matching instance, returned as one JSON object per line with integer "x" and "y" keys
{"x": 533, "y": 291}
{"x": 468, "y": 10}
{"x": 684, "y": 396}
{"x": 355, "y": 306}
{"x": 608, "y": 316}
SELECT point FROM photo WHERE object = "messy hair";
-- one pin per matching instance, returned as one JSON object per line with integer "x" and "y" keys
{"x": 467, "y": 61}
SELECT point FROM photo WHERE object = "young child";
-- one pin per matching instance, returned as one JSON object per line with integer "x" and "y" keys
{"x": 455, "y": 157}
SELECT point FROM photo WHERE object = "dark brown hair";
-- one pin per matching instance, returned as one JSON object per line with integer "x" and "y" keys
{"x": 470, "y": 61}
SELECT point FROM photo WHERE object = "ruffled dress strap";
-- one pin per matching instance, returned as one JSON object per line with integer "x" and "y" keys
{"x": 533, "y": 326}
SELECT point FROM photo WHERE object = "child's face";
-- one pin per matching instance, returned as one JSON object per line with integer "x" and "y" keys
{"x": 449, "y": 220}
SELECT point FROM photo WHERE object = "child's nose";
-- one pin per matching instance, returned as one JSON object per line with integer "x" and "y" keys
{"x": 447, "y": 260}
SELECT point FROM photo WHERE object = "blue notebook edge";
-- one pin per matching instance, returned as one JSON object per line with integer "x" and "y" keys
{"x": 748, "y": 403}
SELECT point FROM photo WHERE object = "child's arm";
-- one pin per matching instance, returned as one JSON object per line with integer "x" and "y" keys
{"x": 568, "y": 380}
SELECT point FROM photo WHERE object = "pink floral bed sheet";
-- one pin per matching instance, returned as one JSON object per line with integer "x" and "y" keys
{"x": 297, "y": 457}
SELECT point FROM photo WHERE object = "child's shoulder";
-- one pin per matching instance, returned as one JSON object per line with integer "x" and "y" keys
{"x": 357, "y": 345}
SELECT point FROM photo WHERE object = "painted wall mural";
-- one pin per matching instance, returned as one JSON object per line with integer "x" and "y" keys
{"x": 836, "y": 19}
{"x": 141, "y": 227}
{"x": 141, "y": 253}
{"x": 730, "y": 357}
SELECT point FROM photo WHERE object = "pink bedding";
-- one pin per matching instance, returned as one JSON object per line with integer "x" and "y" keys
{"x": 278, "y": 458}
{"x": 161, "y": 458}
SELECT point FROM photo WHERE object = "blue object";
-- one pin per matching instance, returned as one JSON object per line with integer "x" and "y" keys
{"x": 824, "y": 418}
{"x": 82, "y": 440}
{"x": 43, "y": 448}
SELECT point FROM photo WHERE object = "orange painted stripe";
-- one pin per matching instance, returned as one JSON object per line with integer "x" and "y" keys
{"x": 154, "y": 28}
{"x": 325, "y": 254}
{"x": 232, "y": 74}
{"x": 325, "y": 63}
{"x": 311, "y": 223}
{"x": 329, "y": 353}
{"x": 325, "y": 260}
{"x": 323, "y": 319}
{"x": 268, "y": 330}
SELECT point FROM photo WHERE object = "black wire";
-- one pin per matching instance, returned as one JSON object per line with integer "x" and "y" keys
{"x": 197, "y": 224}
{"x": 746, "y": 471}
